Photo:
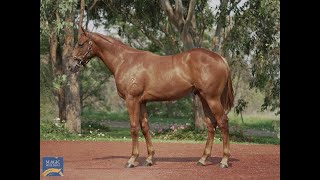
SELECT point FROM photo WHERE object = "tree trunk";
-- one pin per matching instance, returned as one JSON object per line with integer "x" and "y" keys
{"x": 55, "y": 57}
{"x": 220, "y": 25}
{"x": 198, "y": 113}
{"x": 72, "y": 90}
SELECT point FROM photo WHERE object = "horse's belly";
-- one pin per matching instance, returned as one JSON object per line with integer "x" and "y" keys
{"x": 167, "y": 91}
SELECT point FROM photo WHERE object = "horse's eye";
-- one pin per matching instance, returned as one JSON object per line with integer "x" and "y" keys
{"x": 80, "y": 45}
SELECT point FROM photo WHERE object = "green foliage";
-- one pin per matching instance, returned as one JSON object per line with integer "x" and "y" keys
{"x": 102, "y": 115}
{"x": 276, "y": 126}
{"x": 49, "y": 130}
{"x": 255, "y": 122}
{"x": 92, "y": 82}
{"x": 59, "y": 81}
{"x": 255, "y": 41}
{"x": 49, "y": 10}
{"x": 240, "y": 106}
{"x": 46, "y": 76}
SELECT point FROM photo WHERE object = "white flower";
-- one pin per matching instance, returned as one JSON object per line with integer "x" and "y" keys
{"x": 90, "y": 132}
{"x": 79, "y": 134}
{"x": 89, "y": 125}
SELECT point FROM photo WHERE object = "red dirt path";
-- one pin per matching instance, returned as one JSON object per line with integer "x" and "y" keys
{"x": 106, "y": 160}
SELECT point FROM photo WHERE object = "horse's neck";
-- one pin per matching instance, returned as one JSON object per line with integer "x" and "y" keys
{"x": 109, "y": 52}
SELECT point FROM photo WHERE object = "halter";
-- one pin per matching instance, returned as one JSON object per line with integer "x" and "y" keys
{"x": 82, "y": 61}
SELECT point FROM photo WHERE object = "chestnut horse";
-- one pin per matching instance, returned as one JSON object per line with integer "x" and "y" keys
{"x": 142, "y": 76}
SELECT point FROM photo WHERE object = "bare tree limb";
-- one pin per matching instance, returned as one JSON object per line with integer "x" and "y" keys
{"x": 93, "y": 5}
{"x": 179, "y": 12}
{"x": 166, "y": 7}
{"x": 88, "y": 12}
{"x": 217, "y": 35}
{"x": 233, "y": 5}
{"x": 190, "y": 15}
{"x": 82, "y": 6}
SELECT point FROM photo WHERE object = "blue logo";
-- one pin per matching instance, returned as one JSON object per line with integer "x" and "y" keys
{"x": 52, "y": 166}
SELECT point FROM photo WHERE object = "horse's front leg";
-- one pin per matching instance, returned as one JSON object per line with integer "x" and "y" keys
{"x": 144, "y": 123}
{"x": 134, "y": 113}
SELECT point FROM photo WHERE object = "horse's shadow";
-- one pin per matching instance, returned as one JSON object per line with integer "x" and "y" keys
{"x": 213, "y": 160}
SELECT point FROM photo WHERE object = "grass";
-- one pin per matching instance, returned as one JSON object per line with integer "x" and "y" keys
{"x": 124, "y": 117}
{"x": 92, "y": 130}
{"x": 253, "y": 122}
{"x": 101, "y": 116}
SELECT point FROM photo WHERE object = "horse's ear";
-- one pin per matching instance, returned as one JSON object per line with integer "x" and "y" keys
{"x": 84, "y": 32}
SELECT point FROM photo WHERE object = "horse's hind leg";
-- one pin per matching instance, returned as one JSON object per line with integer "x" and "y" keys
{"x": 144, "y": 123}
{"x": 222, "y": 120}
{"x": 211, "y": 125}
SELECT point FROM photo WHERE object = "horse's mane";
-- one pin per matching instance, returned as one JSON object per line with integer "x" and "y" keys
{"x": 114, "y": 40}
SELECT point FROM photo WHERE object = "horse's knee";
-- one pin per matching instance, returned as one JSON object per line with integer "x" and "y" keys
{"x": 134, "y": 130}
{"x": 224, "y": 122}
{"x": 211, "y": 129}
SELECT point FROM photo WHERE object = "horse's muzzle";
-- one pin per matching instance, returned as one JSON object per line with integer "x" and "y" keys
{"x": 75, "y": 67}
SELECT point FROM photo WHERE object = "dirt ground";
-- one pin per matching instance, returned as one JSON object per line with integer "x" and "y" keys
{"x": 106, "y": 160}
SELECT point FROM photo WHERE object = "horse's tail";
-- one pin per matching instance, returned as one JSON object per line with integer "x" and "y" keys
{"x": 227, "y": 96}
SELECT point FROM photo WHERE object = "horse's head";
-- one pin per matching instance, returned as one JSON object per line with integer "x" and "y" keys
{"x": 83, "y": 50}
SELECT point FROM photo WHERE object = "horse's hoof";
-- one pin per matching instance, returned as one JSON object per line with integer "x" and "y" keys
{"x": 147, "y": 163}
{"x": 128, "y": 165}
{"x": 200, "y": 164}
{"x": 223, "y": 165}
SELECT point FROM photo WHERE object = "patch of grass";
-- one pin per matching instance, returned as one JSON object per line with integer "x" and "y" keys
{"x": 168, "y": 121}
{"x": 54, "y": 131}
{"x": 191, "y": 133}
{"x": 253, "y": 122}
{"x": 100, "y": 116}
{"x": 93, "y": 130}
{"x": 51, "y": 131}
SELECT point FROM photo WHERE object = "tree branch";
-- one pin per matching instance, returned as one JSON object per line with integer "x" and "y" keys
{"x": 93, "y": 5}
{"x": 233, "y": 5}
{"x": 179, "y": 9}
{"x": 220, "y": 24}
{"x": 82, "y": 6}
{"x": 88, "y": 12}
{"x": 190, "y": 15}
{"x": 166, "y": 6}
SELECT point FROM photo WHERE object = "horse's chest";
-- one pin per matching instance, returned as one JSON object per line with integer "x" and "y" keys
{"x": 129, "y": 85}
